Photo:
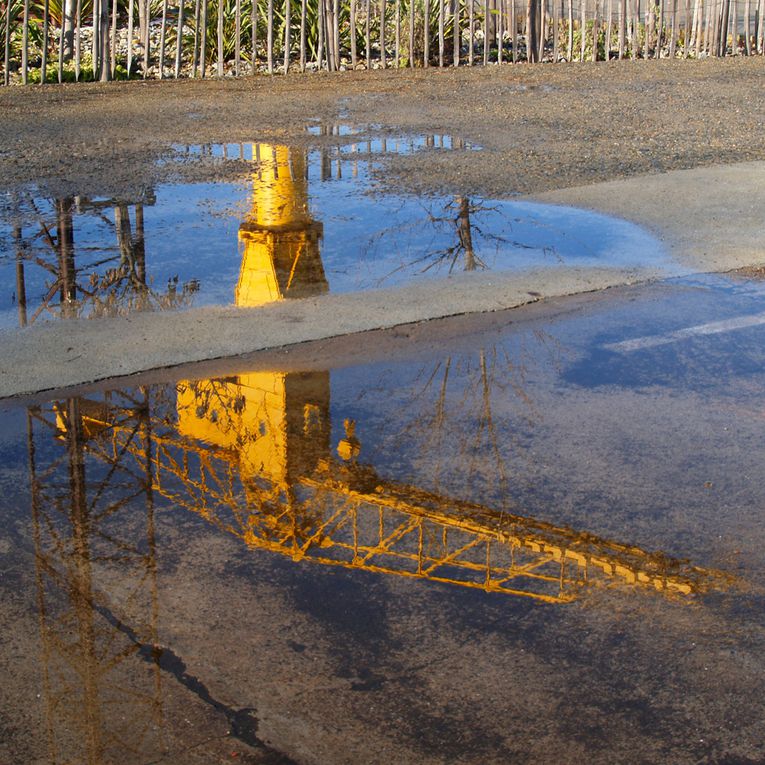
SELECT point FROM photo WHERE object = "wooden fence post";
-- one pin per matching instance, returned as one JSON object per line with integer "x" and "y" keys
{"x": 287, "y": 25}
{"x": 178, "y": 42}
{"x": 7, "y": 46}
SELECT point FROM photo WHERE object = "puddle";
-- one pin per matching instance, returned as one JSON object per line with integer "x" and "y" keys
{"x": 305, "y": 222}
{"x": 702, "y": 333}
{"x": 321, "y": 545}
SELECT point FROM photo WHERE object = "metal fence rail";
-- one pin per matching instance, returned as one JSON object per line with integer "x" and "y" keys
{"x": 76, "y": 40}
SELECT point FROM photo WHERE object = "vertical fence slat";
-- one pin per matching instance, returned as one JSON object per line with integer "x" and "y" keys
{"x": 411, "y": 33}
{"x": 146, "y": 13}
{"x": 556, "y": 30}
{"x": 303, "y": 12}
{"x": 456, "y": 33}
{"x": 397, "y": 50}
{"x": 695, "y": 37}
{"x": 195, "y": 49}
{"x": 542, "y": 29}
{"x": 570, "y": 41}
{"x": 219, "y": 19}
{"x": 254, "y": 35}
{"x": 129, "y": 56}
{"x": 287, "y": 25}
{"x": 203, "y": 41}
{"x": 485, "y": 32}
{"x": 721, "y": 28}
{"x": 674, "y": 32}
{"x": 329, "y": 38}
{"x": 336, "y": 31}
{"x": 94, "y": 38}
{"x": 178, "y": 41}
{"x": 7, "y": 45}
{"x": 163, "y": 40}
{"x": 660, "y": 27}
{"x": 237, "y": 37}
{"x": 25, "y": 46}
{"x": 368, "y": 32}
{"x": 113, "y": 41}
{"x": 105, "y": 52}
{"x": 77, "y": 39}
{"x": 514, "y": 27}
{"x": 320, "y": 22}
{"x": 609, "y": 30}
{"x": 635, "y": 30}
{"x": 270, "y": 35}
{"x": 500, "y": 30}
{"x": 648, "y": 28}
{"x": 352, "y": 31}
{"x": 62, "y": 35}
{"x": 426, "y": 34}
{"x": 46, "y": 21}
{"x": 471, "y": 31}
{"x": 382, "y": 33}
{"x": 441, "y": 32}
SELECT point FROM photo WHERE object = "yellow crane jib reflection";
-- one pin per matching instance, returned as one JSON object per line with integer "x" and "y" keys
{"x": 252, "y": 455}
{"x": 280, "y": 241}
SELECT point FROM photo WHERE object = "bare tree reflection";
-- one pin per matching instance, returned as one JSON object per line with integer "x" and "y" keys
{"x": 460, "y": 221}
{"x": 85, "y": 280}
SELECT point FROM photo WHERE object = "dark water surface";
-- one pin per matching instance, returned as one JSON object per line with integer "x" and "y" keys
{"x": 511, "y": 546}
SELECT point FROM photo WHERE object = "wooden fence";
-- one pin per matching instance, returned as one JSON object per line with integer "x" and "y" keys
{"x": 67, "y": 40}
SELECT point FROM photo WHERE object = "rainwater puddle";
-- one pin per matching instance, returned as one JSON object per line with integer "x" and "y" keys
{"x": 301, "y": 224}
{"x": 321, "y": 544}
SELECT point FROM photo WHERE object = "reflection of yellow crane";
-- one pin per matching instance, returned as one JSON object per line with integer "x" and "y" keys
{"x": 290, "y": 495}
{"x": 271, "y": 432}
{"x": 281, "y": 257}
{"x": 341, "y": 513}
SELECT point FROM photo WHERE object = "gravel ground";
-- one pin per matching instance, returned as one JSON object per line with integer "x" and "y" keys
{"x": 541, "y": 127}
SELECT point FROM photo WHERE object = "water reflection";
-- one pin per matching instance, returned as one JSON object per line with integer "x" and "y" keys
{"x": 280, "y": 241}
{"x": 314, "y": 211}
{"x": 270, "y": 459}
{"x": 75, "y": 256}
{"x": 254, "y": 455}
{"x": 95, "y": 552}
